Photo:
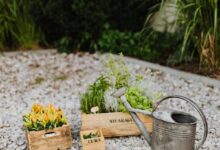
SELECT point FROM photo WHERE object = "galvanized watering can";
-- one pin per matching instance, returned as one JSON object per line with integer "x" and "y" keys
{"x": 172, "y": 130}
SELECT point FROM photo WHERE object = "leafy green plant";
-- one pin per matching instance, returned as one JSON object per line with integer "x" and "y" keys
{"x": 118, "y": 72}
{"x": 8, "y": 11}
{"x": 100, "y": 93}
{"x": 17, "y": 26}
{"x": 198, "y": 24}
{"x": 127, "y": 42}
{"x": 115, "y": 77}
{"x": 137, "y": 99}
{"x": 91, "y": 135}
{"x": 94, "y": 96}
{"x": 43, "y": 118}
{"x": 26, "y": 34}
{"x": 201, "y": 19}
{"x": 82, "y": 20}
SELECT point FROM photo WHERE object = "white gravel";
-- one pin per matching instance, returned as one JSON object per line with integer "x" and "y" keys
{"x": 18, "y": 91}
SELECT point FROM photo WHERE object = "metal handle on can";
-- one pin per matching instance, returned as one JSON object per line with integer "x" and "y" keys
{"x": 196, "y": 107}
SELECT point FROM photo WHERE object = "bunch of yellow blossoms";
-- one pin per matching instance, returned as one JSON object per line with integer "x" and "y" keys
{"x": 44, "y": 117}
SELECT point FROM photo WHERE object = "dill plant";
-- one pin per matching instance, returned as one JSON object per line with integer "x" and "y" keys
{"x": 94, "y": 96}
{"x": 117, "y": 72}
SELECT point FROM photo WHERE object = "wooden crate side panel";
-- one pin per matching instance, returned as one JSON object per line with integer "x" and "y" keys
{"x": 95, "y": 146}
{"x": 61, "y": 138}
{"x": 59, "y": 143}
{"x": 100, "y": 145}
{"x": 114, "y": 124}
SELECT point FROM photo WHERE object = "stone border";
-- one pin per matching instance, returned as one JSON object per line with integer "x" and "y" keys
{"x": 181, "y": 74}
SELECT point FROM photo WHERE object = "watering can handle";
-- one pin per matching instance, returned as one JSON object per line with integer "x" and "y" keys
{"x": 196, "y": 107}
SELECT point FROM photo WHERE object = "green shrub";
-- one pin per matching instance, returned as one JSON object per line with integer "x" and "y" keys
{"x": 165, "y": 44}
{"x": 82, "y": 21}
{"x": 198, "y": 26}
{"x": 200, "y": 19}
{"x": 129, "y": 43}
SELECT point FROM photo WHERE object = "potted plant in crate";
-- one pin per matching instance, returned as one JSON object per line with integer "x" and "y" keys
{"x": 100, "y": 109}
{"x": 47, "y": 128}
{"x": 92, "y": 139}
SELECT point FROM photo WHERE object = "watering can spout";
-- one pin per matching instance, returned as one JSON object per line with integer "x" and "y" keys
{"x": 121, "y": 93}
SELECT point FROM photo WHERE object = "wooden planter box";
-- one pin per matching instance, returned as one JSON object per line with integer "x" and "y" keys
{"x": 97, "y": 143}
{"x": 114, "y": 124}
{"x": 54, "y": 139}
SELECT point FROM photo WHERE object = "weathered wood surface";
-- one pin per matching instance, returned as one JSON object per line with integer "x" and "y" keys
{"x": 114, "y": 124}
{"x": 54, "y": 139}
{"x": 93, "y": 143}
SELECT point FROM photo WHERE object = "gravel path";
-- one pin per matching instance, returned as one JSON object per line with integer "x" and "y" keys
{"x": 64, "y": 77}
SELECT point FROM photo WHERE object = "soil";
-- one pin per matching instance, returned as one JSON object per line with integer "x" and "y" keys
{"x": 192, "y": 67}
{"x": 195, "y": 68}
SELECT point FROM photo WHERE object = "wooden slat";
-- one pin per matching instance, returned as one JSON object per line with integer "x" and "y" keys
{"x": 114, "y": 124}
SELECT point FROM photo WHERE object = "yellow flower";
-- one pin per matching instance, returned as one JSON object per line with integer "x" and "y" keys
{"x": 45, "y": 118}
{"x": 58, "y": 117}
{"x": 50, "y": 108}
{"x": 37, "y": 108}
{"x": 33, "y": 117}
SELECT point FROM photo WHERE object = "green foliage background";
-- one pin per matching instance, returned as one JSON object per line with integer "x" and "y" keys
{"x": 17, "y": 26}
{"x": 72, "y": 25}
{"x": 82, "y": 21}
{"x": 113, "y": 26}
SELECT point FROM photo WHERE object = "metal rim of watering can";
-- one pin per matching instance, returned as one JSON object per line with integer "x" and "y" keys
{"x": 205, "y": 124}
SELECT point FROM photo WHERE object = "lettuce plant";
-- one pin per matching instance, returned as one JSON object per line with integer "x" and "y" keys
{"x": 138, "y": 100}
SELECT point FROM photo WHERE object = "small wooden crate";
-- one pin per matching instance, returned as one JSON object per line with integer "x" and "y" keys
{"x": 92, "y": 143}
{"x": 54, "y": 139}
{"x": 114, "y": 124}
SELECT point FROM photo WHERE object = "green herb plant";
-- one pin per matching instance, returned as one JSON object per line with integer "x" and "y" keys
{"x": 94, "y": 96}
{"x": 117, "y": 75}
{"x": 117, "y": 72}
{"x": 91, "y": 135}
